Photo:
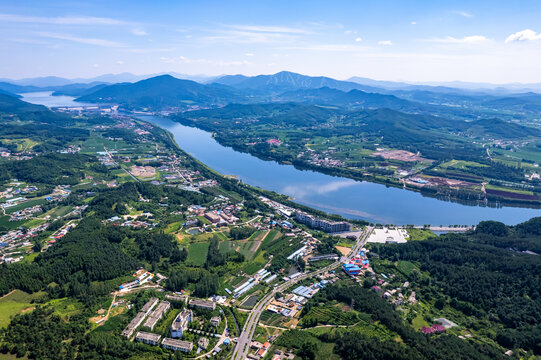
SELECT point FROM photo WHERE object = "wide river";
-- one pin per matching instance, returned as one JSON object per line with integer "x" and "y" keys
{"x": 346, "y": 197}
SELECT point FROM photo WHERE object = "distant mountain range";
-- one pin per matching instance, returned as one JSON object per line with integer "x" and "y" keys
{"x": 231, "y": 80}
{"x": 162, "y": 91}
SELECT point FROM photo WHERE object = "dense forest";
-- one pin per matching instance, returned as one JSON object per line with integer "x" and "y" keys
{"x": 492, "y": 273}
{"x": 48, "y": 169}
{"x": 351, "y": 344}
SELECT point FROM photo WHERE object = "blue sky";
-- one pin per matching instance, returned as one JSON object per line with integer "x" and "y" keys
{"x": 480, "y": 41}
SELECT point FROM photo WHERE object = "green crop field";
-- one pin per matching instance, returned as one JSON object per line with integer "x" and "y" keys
{"x": 329, "y": 315}
{"x": 197, "y": 253}
{"x": 9, "y": 225}
{"x": 25, "y": 205}
{"x": 405, "y": 267}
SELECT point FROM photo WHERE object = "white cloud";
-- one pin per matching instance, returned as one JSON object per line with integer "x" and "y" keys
{"x": 413, "y": 23}
{"x": 524, "y": 35}
{"x": 326, "y": 47}
{"x": 320, "y": 189}
{"x": 270, "y": 29}
{"x": 81, "y": 40}
{"x": 350, "y": 32}
{"x": 96, "y": 66}
{"x": 249, "y": 54}
{"x": 148, "y": 50}
{"x": 63, "y": 20}
{"x": 120, "y": 62}
{"x": 358, "y": 39}
{"x": 463, "y": 14}
{"x": 473, "y": 39}
{"x": 385, "y": 42}
{"x": 253, "y": 34}
{"x": 138, "y": 32}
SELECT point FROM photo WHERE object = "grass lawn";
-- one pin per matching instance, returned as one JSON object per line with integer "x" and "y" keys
{"x": 13, "y": 304}
{"x": 173, "y": 227}
{"x": 197, "y": 253}
{"x": 419, "y": 234}
{"x": 65, "y": 307}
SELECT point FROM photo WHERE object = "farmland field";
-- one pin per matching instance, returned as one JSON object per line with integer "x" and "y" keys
{"x": 197, "y": 253}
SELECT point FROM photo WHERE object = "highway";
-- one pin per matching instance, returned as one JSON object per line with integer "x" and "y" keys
{"x": 245, "y": 338}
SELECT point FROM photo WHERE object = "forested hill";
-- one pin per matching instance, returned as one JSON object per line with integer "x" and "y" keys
{"x": 353, "y": 98}
{"x": 493, "y": 274}
{"x": 379, "y": 122}
{"x": 9, "y": 104}
{"x": 49, "y": 130}
{"x": 162, "y": 91}
{"x": 12, "y": 108}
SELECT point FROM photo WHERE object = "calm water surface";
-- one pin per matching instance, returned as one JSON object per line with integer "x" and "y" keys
{"x": 349, "y": 198}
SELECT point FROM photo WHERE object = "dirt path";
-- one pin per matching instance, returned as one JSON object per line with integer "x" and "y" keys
{"x": 9, "y": 293}
{"x": 110, "y": 307}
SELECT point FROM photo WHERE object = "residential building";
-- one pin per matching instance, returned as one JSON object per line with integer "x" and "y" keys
{"x": 147, "y": 338}
{"x": 179, "y": 298}
{"x": 177, "y": 345}
{"x": 203, "y": 343}
{"x": 181, "y": 323}
{"x": 322, "y": 224}
{"x": 149, "y": 305}
{"x": 157, "y": 314}
{"x": 215, "y": 321}
{"x": 202, "y": 304}
{"x": 134, "y": 323}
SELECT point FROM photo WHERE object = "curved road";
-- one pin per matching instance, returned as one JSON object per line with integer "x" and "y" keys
{"x": 245, "y": 338}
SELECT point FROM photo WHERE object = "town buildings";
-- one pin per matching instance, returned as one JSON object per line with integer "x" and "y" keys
{"x": 157, "y": 314}
{"x": 322, "y": 224}
{"x": 177, "y": 345}
{"x": 202, "y": 304}
{"x": 147, "y": 338}
{"x": 181, "y": 323}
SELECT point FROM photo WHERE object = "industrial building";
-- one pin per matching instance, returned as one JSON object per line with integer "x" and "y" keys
{"x": 147, "y": 338}
{"x": 322, "y": 224}
{"x": 181, "y": 323}
{"x": 351, "y": 269}
{"x": 202, "y": 304}
{"x": 332, "y": 257}
{"x": 177, "y": 345}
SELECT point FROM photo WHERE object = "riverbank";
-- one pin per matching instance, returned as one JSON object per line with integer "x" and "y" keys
{"x": 461, "y": 195}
